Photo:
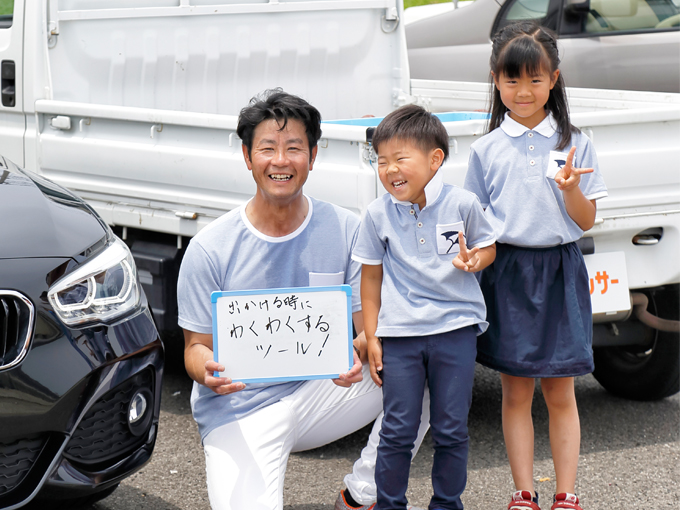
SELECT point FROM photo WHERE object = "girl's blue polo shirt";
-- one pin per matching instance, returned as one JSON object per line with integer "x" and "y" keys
{"x": 422, "y": 292}
{"x": 512, "y": 172}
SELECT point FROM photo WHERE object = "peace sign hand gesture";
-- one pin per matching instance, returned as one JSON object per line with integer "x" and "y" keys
{"x": 568, "y": 177}
{"x": 467, "y": 260}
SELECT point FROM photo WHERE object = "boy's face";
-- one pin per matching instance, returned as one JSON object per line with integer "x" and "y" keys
{"x": 405, "y": 169}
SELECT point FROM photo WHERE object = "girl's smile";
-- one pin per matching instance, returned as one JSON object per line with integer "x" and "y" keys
{"x": 526, "y": 96}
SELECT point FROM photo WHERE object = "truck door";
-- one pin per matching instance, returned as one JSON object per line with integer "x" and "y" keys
{"x": 12, "y": 119}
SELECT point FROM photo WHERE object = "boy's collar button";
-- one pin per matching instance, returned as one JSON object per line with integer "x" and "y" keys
{"x": 412, "y": 211}
{"x": 530, "y": 134}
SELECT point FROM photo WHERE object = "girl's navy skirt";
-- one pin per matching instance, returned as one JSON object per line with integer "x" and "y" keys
{"x": 539, "y": 312}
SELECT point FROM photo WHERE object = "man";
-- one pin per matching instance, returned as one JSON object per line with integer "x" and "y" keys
{"x": 280, "y": 238}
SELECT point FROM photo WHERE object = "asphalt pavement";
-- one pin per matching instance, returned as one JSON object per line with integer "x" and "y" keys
{"x": 630, "y": 456}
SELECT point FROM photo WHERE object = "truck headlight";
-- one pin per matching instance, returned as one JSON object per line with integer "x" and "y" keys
{"x": 101, "y": 290}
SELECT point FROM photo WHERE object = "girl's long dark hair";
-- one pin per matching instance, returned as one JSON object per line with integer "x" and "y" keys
{"x": 527, "y": 47}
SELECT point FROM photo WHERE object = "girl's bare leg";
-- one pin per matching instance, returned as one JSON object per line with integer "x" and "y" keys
{"x": 565, "y": 430}
{"x": 518, "y": 429}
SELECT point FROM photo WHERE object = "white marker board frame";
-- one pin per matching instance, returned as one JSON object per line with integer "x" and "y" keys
{"x": 244, "y": 333}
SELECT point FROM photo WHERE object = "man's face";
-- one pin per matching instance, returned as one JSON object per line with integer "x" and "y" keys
{"x": 280, "y": 159}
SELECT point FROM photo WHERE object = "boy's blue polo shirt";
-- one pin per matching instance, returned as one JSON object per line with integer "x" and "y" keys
{"x": 508, "y": 170}
{"x": 422, "y": 292}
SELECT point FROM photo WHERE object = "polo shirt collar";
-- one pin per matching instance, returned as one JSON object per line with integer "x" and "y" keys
{"x": 432, "y": 191}
{"x": 511, "y": 127}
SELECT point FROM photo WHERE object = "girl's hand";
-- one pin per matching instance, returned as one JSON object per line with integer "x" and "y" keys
{"x": 375, "y": 359}
{"x": 467, "y": 260}
{"x": 568, "y": 177}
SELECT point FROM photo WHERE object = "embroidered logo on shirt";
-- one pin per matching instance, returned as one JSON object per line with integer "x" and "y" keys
{"x": 447, "y": 238}
{"x": 452, "y": 237}
{"x": 556, "y": 160}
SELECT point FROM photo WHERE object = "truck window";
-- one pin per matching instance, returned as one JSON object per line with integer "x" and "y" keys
{"x": 6, "y": 13}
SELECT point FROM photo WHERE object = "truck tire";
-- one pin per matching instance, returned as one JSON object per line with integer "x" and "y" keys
{"x": 650, "y": 371}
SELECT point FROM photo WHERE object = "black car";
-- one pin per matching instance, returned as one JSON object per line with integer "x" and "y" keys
{"x": 80, "y": 358}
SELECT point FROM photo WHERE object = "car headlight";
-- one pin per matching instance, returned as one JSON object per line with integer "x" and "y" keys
{"x": 101, "y": 290}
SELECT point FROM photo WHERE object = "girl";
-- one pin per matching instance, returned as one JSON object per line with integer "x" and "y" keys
{"x": 537, "y": 294}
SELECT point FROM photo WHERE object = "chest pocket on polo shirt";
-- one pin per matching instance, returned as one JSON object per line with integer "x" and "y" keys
{"x": 556, "y": 160}
{"x": 324, "y": 279}
{"x": 447, "y": 238}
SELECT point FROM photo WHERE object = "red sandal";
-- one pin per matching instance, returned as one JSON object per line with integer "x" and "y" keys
{"x": 565, "y": 500}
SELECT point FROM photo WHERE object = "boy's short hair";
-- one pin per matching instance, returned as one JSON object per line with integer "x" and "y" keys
{"x": 282, "y": 106}
{"x": 415, "y": 124}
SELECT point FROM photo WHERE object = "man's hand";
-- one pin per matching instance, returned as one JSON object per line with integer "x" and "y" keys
{"x": 569, "y": 177}
{"x": 375, "y": 359}
{"x": 198, "y": 360}
{"x": 467, "y": 260}
{"x": 220, "y": 385}
{"x": 353, "y": 376}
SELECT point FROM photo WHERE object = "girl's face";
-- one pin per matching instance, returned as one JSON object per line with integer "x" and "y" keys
{"x": 526, "y": 96}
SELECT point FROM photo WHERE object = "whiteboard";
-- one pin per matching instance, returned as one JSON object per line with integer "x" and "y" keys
{"x": 290, "y": 334}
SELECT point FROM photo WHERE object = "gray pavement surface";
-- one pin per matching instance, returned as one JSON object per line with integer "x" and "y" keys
{"x": 630, "y": 456}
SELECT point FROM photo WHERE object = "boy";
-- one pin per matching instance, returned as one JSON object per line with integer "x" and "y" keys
{"x": 421, "y": 315}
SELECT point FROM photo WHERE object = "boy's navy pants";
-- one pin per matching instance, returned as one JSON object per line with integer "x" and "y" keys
{"x": 446, "y": 362}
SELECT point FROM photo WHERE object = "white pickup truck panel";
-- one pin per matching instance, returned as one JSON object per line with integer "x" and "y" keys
{"x": 144, "y": 96}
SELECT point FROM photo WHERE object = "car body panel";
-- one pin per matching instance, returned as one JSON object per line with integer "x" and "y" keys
{"x": 42, "y": 216}
{"x": 456, "y": 45}
{"x": 50, "y": 398}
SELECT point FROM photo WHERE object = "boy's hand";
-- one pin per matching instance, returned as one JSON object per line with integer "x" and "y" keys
{"x": 375, "y": 359}
{"x": 467, "y": 260}
{"x": 568, "y": 177}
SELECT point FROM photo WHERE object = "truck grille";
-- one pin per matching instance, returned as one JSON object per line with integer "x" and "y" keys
{"x": 103, "y": 435}
{"x": 16, "y": 327}
{"x": 16, "y": 460}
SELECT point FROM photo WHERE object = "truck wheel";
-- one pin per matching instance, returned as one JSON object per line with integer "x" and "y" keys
{"x": 650, "y": 371}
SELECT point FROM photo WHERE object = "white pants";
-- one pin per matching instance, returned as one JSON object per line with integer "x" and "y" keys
{"x": 246, "y": 459}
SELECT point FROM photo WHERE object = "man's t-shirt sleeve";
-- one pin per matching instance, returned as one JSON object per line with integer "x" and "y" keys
{"x": 198, "y": 278}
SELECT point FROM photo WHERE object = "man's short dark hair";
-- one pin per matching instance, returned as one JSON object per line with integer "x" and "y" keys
{"x": 416, "y": 125}
{"x": 279, "y": 105}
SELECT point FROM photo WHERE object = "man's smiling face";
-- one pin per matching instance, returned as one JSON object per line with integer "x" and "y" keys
{"x": 280, "y": 159}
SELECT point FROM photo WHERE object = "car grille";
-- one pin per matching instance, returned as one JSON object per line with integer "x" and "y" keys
{"x": 103, "y": 435}
{"x": 16, "y": 327}
{"x": 16, "y": 460}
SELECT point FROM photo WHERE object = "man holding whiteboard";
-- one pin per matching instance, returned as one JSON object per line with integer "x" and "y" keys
{"x": 281, "y": 238}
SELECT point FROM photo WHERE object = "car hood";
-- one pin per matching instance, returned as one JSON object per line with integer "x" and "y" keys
{"x": 41, "y": 219}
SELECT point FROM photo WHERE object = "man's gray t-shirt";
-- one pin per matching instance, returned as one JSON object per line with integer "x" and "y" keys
{"x": 230, "y": 254}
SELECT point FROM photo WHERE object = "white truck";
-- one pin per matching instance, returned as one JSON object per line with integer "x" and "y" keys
{"x": 133, "y": 105}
